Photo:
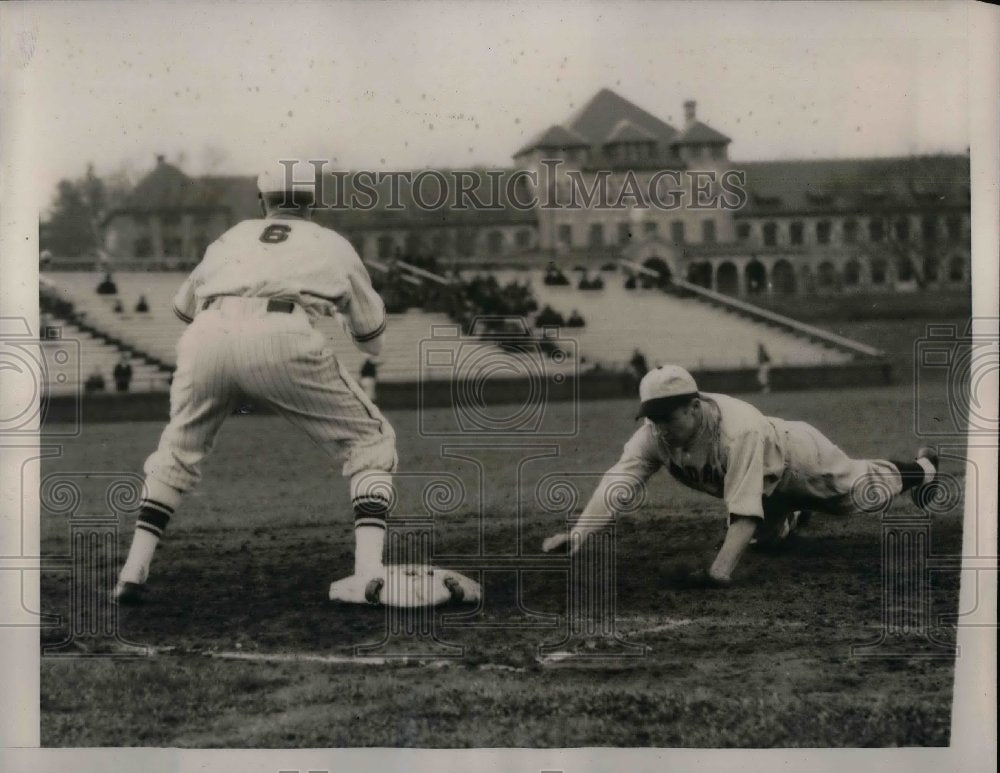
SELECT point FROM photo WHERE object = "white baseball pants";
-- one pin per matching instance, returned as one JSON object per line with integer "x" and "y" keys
{"x": 237, "y": 350}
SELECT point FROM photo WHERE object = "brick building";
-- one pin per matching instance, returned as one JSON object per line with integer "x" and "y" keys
{"x": 827, "y": 226}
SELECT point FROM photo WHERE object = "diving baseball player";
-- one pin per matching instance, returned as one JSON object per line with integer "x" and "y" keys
{"x": 250, "y": 304}
{"x": 766, "y": 469}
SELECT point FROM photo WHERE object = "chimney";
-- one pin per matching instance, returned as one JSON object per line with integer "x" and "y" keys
{"x": 689, "y": 107}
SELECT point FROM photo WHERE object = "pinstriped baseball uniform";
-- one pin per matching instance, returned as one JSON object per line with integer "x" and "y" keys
{"x": 251, "y": 302}
{"x": 761, "y": 466}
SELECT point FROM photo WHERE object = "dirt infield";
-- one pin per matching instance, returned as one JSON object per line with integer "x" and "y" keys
{"x": 246, "y": 651}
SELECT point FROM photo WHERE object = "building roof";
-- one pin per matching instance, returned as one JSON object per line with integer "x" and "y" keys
{"x": 554, "y": 137}
{"x": 860, "y": 184}
{"x": 596, "y": 120}
{"x": 626, "y": 131}
{"x": 700, "y": 133}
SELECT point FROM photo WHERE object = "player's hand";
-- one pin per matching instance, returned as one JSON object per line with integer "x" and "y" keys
{"x": 557, "y": 542}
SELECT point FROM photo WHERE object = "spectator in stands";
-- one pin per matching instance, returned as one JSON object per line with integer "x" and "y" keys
{"x": 553, "y": 276}
{"x": 575, "y": 320}
{"x": 44, "y": 258}
{"x": 142, "y": 306}
{"x": 123, "y": 373}
{"x": 763, "y": 368}
{"x": 108, "y": 286}
{"x": 94, "y": 382}
{"x": 369, "y": 377}
{"x": 119, "y": 307}
{"x": 638, "y": 364}
{"x": 549, "y": 316}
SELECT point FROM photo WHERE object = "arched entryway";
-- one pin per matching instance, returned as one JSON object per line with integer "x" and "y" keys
{"x": 727, "y": 279}
{"x": 783, "y": 277}
{"x": 756, "y": 277}
{"x": 659, "y": 265}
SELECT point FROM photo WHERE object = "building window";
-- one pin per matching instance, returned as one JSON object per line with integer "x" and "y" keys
{"x": 708, "y": 231}
{"x": 878, "y": 271}
{"x": 524, "y": 238}
{"x": 718, "y": 152}
{"x": 796, "y": 232}
{"x": 876, "y": 231}
{"x": 624, "y": 233}
{"x": 596, "y": 238}
{"x": 930, "y": 268}
{"x": 954, "y": 226}
{"x": 494, "y": 242}
{"x": 904, "y": 270}
{"x": 928, "y": 228}
{"x": 650, "y": 227}
{"x": 172, "y": 247}
{"x": 144, "y": 247}
{"x": 743, "y": 232}
{"x": 852, "y": 273}
{"x": 903, "y": 229}
{"x": 385, "y": 246}
{"x": 823, "y": 232}
{"x": 956, "y": 269}
{"x": 827, "y": 274}
{"x": 677, "y": 232}
{"x": 850, "y": 231}
{"x": 565, "y": 235}
{"x": 770, "y": 234}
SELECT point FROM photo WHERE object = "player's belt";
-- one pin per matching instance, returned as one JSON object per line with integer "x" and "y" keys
{"x": 285, "y": 307}
{"x": 273, "y": 304}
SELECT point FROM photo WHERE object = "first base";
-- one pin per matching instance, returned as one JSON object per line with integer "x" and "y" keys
{"x": 407, "y": 585}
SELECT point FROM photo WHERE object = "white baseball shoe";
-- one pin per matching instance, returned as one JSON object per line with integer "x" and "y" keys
{"x": 129, "y": 593}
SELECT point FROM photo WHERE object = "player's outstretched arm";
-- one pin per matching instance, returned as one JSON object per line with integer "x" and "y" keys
{"x": 738, "y": 536}
{"x": 620, "y": 489}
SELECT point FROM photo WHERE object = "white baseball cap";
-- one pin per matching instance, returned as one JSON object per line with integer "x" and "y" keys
{"x": 280, "y": 177}
{"x": 663, "y": 389}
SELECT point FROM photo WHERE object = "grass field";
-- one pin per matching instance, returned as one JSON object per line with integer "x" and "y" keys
{"x": 247, "y": 561}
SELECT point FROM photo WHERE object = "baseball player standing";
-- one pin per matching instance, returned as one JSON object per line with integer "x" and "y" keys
{"x": 766, "y": 469}
{"x": 250, "y": 304}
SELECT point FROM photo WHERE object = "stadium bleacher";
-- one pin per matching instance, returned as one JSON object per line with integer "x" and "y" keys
{"x": 156, "y": 332}
{"x": 76, "y": 355}
{"x": 666, "y": 328}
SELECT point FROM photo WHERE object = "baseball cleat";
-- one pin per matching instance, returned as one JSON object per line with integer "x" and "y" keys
{"x": 373, "y": 589}
{"x": 359, "y": 589}
{"x": 407, "y": 585}
{"x": 455, "y": 589}
{"x": 129, "y": 593}
{"x": 923, "y": 493}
